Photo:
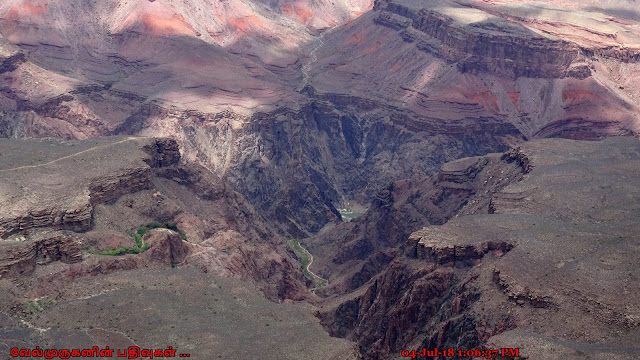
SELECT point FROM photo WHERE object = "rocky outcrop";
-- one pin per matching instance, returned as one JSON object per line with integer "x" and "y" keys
{"x": 619, "y": 53}
{"x": 391, "y": 302}
{"x": 579, "y": 129}
{"x": 74, "y": 219}
{"x": 103, "y": 190}
{"x": 465, "y": 186}
{"x": 225, "y": 234}
{"x": 467, "y": 254}
{"x": 20, "y": 256}
{"x": 162, "y": 152}
{"x": 522, "y": 295}
{"x": 110, "y": 188}
{"x": 328, "y": 145}
{"x": 518, "y": 156}
{"x": 10, "y": 63}
{"x": 27, "y": 220}
{"x": 328, "y": 150}
{"x": 323, "y": 146}
{"x": 166, "y": 247}
{"x": 474, "y": 60}
{"x": 409, "y": 302}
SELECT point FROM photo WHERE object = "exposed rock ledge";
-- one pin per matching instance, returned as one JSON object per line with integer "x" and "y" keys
{"x": 549, "y": 268}
{"x": 506, "y": 48}
{"x": 59, "y": 188}
{"x": 443, "y": 251}
{"x": 61, "y": 184}
{"x": 22, "y": 255}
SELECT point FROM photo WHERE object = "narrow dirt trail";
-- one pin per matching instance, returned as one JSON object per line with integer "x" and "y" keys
{"x": 69, "y": 156}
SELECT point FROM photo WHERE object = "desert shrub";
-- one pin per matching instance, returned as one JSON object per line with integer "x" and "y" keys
{"x": 140, "y": 246}
{"x": 172, "y": 226}
{"x": 138, "y": 239}
{"x": 142, "y": 230}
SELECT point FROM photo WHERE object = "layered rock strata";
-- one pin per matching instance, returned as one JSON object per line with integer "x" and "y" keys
{"x": 539, "y": 266}
{"x": 448, "y": 79}
{"x": 20, "y": 257}
{"x": 544, "y": 72}
{"x": 99, "y": 192}
{"x": 368, "y": 244}
{"x": 28, "y": 203}
{"x": 498, "y": 47}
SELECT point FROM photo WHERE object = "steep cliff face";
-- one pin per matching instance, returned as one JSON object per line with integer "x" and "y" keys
{"x": 485, "y": 44}
{"x": 548, "y": 74}
{"x": 386, "y": 290}
{"x": 326, "y": 147}
{"x": 29, "y": 203}
{"x": 298, "y": 166}
{"x": 511, "y": 272}
{"x": 352, "y": 253}
{"x": 283, "y": 119}
{"x": 21, "y": 257}
{"x": 509, "y": 39}
{"x": 414, "y": 301}
{"x": 327, "y": 150}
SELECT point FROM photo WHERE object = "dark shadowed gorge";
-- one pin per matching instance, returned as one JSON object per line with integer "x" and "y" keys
{"x": 157, "y": 158}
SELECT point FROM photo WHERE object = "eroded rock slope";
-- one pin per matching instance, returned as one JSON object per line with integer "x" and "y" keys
{"x": 542, "y": 260}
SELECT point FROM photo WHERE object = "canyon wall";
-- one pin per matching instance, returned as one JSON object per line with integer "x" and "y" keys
{"x": 493, "y": 45}
{"x": 505, "y": 267}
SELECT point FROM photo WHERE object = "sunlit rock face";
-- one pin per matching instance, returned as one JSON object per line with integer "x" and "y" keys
{"x": 302, "y": 105}
{"x": 549, "y": 73}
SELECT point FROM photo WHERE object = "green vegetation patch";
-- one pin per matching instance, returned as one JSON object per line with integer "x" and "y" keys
{"x": 123, "y": 250}
{"x": 305, "y": 259}
{"x": 140, "y": 246}
{"x": 40, "y": 304}
{"x": 303, "y": 256}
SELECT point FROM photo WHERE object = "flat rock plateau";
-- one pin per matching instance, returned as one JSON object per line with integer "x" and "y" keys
{"x": 158, "y": 157}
